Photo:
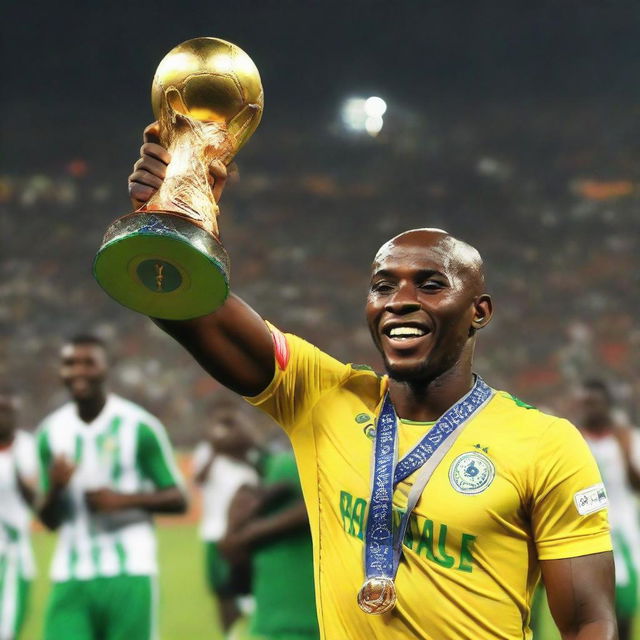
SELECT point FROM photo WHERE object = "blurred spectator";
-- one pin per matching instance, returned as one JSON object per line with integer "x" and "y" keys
{"x": 221, "y": 467}
{"x": 269, "y": 531}
{"x": 547, "y": 194}
{"x": 18, "y": 479}
{"x": 616, "y": 448}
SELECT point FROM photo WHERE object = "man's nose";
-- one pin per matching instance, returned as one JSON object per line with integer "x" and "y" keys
{"x": 77, "y": 369}
{"x": 403, "y": 301}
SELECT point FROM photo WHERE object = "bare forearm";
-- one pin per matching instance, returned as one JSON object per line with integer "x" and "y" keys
{"x": 276, "y": 492}
{"x": 580, "y": 592}
{"x": 632, "y": 474}
{"x": 280, "y": 524}
{"x": 202, "y": 475}
{"x": 164, "y": 501}
{"x": 232, "y": 344}
{"x": 27, "y": 491}
{"x": 596, "y": 630}
{"x": 51, "y": 509}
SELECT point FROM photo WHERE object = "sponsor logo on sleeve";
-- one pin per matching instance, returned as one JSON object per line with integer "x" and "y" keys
{"x": 591, "y": 500}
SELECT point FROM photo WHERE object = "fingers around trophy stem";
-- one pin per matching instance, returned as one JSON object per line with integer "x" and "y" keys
{"x": 140, "y": 193}
{"x": 146, "y": 178}
{"x": 151, "y": 165}
{"x": 152, "y": 133}
{"x": 156, "y": 151}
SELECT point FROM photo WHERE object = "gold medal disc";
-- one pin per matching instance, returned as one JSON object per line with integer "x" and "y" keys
{"x": 377, "y": 595}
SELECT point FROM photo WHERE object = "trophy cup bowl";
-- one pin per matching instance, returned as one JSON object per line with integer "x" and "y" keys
{"x": 165, "y": 259}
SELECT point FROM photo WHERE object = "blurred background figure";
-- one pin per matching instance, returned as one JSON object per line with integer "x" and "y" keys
{"x": 221, "y": 466}
{"x": 107, "y": 466}
{"x": 18, "y": 478}
{"x": 269, "y": 531}
{"x": 616, "y": 448}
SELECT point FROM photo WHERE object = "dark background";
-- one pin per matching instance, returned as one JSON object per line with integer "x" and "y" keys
{"x": 514, "y": 125}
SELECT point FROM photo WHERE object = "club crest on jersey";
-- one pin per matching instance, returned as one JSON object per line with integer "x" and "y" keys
{"x": 471, "y": 472}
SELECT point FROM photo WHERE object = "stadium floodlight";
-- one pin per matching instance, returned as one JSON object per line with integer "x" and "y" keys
{"x": 363, "y": 115}
{"x": 375, "y": 107}
{"x": 373, "y": 125}
{"x": 354, "y": 114}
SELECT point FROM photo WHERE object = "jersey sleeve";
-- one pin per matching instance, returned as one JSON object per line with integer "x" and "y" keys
{"x": 200, "y": 457}
{"x": 569, "y": 501}
{"x": 155, "y": 456}
{"x": 26, "y": 457}
{"x": 303, "y": 373}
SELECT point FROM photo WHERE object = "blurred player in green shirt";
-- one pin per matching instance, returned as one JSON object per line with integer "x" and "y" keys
{"x": 270, "y": 525}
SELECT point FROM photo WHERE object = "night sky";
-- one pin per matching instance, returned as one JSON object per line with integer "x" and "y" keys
{"x": 82, "y": 71}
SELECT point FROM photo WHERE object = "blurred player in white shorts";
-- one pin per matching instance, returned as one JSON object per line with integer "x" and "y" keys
{"x": 18, "y": 477}
{"x": 616, "y": 449}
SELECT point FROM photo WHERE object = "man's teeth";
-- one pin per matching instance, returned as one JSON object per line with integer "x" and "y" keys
{"x": 405, "y": 332}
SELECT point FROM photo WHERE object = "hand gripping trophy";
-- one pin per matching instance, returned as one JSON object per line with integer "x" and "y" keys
{"x": 165, "y": 259}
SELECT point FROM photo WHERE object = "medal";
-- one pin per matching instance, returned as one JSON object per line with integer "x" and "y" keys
{"x": 383, "y": 542}
{"x": 377, "y": 595}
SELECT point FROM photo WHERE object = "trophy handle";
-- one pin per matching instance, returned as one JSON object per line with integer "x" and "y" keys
{"x": 244, "y": 124}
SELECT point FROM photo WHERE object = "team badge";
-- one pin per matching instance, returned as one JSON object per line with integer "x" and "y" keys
{"x": 471, "y": 472}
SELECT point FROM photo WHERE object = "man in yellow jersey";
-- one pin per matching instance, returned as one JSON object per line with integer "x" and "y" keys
{"x": 449, "y": 542}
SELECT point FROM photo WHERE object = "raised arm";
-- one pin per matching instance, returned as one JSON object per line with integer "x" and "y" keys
{"x": 233, "y": 344}
{"x": 581, "y": 596}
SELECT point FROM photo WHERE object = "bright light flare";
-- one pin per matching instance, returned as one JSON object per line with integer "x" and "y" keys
{"x": 373, "y": 125}
{"x": 364, "y": 115}
{"x": 375, "y": 107}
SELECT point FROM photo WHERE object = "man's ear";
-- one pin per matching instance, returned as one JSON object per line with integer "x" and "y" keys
{"x": 483, "y": 312}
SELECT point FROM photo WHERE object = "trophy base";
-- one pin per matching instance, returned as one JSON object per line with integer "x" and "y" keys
{"x": 162, "y": 265}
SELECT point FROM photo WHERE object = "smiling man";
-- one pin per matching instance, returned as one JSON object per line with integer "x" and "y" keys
{"x": 435, "y": 502}
{"x": 106, "y": 467}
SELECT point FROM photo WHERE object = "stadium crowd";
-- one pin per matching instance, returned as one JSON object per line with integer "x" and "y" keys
{"x": 546, "y": 194}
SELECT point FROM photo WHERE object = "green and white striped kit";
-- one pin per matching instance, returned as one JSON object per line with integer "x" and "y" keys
{"x": 125, "y": 449}
{"x": 17, "y": 566}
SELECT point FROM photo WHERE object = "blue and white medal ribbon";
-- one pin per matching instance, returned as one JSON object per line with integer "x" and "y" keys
{"x": 383, "y": 546}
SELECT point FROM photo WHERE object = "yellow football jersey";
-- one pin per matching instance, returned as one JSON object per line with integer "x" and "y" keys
{"x": 516, "y": 486}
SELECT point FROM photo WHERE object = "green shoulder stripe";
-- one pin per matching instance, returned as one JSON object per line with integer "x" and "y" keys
{"x": 363, "y": 367}
{"x": 516, "y": 400}
{"x": 44, "y": 458}
{"x": 154, "y": 457}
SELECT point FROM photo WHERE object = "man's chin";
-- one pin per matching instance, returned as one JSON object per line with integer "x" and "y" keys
{"x": 82, "y": 395}
{"x": 408, "y": 371}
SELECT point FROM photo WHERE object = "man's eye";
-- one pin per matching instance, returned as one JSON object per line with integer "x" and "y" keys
{"x": 432, "y": 285}
{"x": 381, "y": 287}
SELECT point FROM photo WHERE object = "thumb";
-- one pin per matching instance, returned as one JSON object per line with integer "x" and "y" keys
{"x": 152, "y": 133}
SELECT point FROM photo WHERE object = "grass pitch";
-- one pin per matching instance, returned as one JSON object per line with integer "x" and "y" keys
{"x": 187, "y": 611}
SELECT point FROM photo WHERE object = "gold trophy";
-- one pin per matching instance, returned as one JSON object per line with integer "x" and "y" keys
{"x": 165, "y": 259}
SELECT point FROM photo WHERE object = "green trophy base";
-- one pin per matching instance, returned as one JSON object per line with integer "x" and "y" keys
{"x": 162, "y": 265}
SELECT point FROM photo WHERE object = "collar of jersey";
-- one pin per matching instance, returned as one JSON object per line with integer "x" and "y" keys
{"x": 415, "y": 423}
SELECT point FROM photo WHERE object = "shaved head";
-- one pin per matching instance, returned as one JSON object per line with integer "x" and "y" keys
{"x": 456, "y": 254}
